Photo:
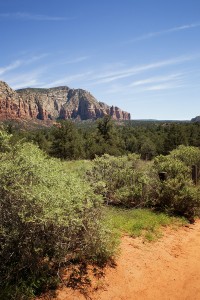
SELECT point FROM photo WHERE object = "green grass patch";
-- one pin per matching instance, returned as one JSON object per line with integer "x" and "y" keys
{"x": 140, "y": 222}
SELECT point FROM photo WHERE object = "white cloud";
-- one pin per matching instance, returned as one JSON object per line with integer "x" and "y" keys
{"x": 128, "y": 72}
{"x": 31, "y": 17}
{"x": 68, "y": 79}
{"x": 25, "y": 83}
{"x": 76, "y": 60}
{"x": 25, "y": 79}
{"x": 34, "y": 58}
{"x": 155, "y": 83}
{"x": 108, "y": 79}
{"x": 21, "y": 62}
{"x": 166, "y": 31}
{"x": 16, "y": 64}
{"x": 155, "y": 79}
{"x": 164, "y": 86}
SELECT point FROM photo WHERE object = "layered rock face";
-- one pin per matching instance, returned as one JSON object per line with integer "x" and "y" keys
{"x": 12, "y": 106}
{"x": 54, "y": 103}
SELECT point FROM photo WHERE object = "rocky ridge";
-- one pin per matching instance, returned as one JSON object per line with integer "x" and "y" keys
{"x": 196, "y": 119}
{"x": 54, "y": 103}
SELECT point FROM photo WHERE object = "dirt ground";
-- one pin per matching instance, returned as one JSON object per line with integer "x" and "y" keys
{"x": 167, "y": 269}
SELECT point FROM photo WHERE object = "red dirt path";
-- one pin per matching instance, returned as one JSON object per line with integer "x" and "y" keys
{"x": 168, "y": 269}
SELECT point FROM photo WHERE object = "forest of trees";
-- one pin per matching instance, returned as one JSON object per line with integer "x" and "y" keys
{"x": 69, "y": 140}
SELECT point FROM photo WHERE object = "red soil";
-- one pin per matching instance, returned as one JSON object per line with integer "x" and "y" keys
{"x": 168, "y": 269}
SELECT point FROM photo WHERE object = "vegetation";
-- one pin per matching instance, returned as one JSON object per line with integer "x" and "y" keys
{"x": 140, "y": 222}
{"x": 120, "y": 180}
{"x": 52, "y": 209}
{"x": 48, "y": 218}
{"x": 68, "y": 140}
{"x": 177, "y": 194}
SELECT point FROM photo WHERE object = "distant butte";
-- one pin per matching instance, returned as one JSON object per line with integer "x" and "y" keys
{"x": 54, "y": 103}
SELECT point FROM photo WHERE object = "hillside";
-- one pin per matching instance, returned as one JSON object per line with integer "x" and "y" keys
{"x": 196, "y": 119}
{"x": 54, "y": 103}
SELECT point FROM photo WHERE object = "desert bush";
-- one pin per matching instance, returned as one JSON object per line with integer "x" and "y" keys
{"x": 177, "y": 194}
{"x": 188, "y": 155}
{"x": 4, "y": 141}
{"x": 48, "y": 216}
{"x": 124, "y": 181}
{"x": 119, "y": 179}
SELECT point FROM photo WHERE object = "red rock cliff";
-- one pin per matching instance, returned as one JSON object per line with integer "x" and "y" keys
{"x": 54, "y": 103}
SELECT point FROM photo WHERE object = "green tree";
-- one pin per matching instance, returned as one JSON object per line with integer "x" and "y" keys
{"x": 147, "y": 149}
{"x": 107, "y": 138}
{"x": 129, "y": 138}
{"x": 176, "y": 135}
{"x": 67, "y": 141}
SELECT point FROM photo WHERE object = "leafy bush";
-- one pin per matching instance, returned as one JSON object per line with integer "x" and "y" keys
{"x": 188, "y": 155}
{"x": 177, "y": 194}
{"x": 125, "y": 181}
{"x": 47, "y": 217}
{"x": 4, "y": 141}
{"x": 119, "y": 179}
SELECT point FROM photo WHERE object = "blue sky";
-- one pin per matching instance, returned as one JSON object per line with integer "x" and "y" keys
{"x": 140, "y": 55}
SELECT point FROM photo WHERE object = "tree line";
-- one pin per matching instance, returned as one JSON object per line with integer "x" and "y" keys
{"x": 70, "y": 141}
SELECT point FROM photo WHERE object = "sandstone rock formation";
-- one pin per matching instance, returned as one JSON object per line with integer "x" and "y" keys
{"x": 12, "y": 105}
{"x": 54, "y": 103}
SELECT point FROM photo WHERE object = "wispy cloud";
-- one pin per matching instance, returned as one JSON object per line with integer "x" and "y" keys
{"x": 136, "y": 77}
{"x": 165, "y": 31}
{"x": 128, "y": 72}
{"x": 17, "y": 75}
{"x": 31, "y": 17}
{"x": 25, "y": 83}
{"x": 157, "y": 79}
{"x": 68, "y": 79}
{"x": 10, "y": 67}
{"x": 34, "y": 58}
{"x": 26, "y": 79}
{"x": 76, "y": 60}
{"x": 21, "y": 62}
{"x": 163, "y": 86}
{"x": 111, "y": 78}
{"x": 154, "y": 83}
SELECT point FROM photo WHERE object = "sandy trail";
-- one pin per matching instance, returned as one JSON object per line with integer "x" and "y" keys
{"x": 168, "y": 269}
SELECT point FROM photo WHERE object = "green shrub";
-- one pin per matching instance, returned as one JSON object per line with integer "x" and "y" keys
{"x": 47, "y": 217}
{"x": 189, "y": 156}
{"x": 177, "y": 194}
{"x": 119, "y": 179}
{"x": 126, "y": 181}
{"x": 4, "y": 141}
